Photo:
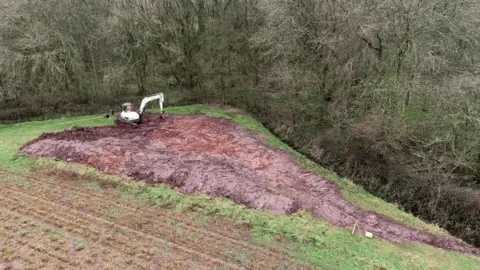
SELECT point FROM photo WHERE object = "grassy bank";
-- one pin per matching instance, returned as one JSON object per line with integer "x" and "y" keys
{"x": 323, "y": 244}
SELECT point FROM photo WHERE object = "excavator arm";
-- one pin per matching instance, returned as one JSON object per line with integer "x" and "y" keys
{"x": 150, "y": 98}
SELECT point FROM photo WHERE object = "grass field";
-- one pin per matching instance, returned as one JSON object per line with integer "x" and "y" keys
{"x": 82, "y": 219}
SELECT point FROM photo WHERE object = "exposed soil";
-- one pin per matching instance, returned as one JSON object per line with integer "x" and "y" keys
{"x": 215, "y": 156}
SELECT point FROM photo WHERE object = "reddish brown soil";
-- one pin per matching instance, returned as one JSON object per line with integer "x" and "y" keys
{"x": 199, "y": 154}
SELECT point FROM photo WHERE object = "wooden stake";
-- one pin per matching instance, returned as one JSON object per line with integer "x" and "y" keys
{"x": 354, "y": 227}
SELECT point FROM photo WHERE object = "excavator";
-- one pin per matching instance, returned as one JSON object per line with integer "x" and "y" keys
{"x": 129, "y": 116}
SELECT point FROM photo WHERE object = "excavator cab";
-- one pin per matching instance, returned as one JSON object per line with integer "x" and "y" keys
{"x": 127, "y": 107}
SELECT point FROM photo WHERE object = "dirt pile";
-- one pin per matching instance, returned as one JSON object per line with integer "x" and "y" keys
{"x": 199, "y": 154}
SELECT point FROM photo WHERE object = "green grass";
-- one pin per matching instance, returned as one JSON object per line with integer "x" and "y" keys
{"x": 317, "y": 241}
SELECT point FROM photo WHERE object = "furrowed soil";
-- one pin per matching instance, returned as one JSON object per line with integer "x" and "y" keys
{"x": 57, "y": 222}
{"x": 215, "y": 156}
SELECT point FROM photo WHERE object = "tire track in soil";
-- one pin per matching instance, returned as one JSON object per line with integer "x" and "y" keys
{"x": 41, "y": 244}
{"x": 203, "y": 241}
{"x": 169, "y": 220}
{"x": 38, "y": 251}
{"x": 43, "y": 215}
{"x": 7, "y": 254}
{"x": 225, "y": 245}
{"x": 113, "y": 242}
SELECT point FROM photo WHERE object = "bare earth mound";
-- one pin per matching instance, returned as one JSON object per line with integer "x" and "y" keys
{"x": 215, "y": 156}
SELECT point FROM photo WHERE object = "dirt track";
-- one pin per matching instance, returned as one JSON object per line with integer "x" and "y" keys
{"x": 199, "y": 154}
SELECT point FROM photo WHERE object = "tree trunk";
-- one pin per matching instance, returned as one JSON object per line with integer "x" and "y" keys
{"x": 142, "y": 74}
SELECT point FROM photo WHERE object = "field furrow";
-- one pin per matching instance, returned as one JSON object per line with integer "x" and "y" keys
{"x": 157, "y": 217}
{"x": 114, "y": 236}
{"x": 41, "y": 253}
{"x": 151, "y": 222}
{"x": 60, "y": 220}
{"x": 145, "y": 236}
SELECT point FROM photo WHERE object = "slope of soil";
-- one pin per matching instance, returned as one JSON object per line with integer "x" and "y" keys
{"x": 59, "y": 223}
{"x": 199, "y": 154}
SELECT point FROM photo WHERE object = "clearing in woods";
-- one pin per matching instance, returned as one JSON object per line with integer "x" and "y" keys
{"x": 60, "y": 215}
{"x": 214, "y": 156}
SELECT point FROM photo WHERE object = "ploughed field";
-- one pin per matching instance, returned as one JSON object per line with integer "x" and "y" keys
{"x": 58, "y": 222}
{"x": 215, "y": 156}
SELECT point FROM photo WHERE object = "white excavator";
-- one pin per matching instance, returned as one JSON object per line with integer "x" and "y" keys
{"x": 129, "y": 116}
